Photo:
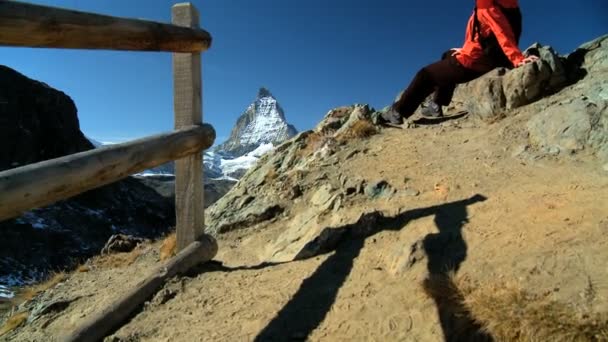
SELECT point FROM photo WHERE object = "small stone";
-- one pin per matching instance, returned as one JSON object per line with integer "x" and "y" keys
{"x": 322, "y": 196}
{"x": 120, "y": 243}
{"x": 411, "y": 192}
{"x": 519, "y": 150}
{"x": 552, "y": 150}
{"x": 379, "y": 188}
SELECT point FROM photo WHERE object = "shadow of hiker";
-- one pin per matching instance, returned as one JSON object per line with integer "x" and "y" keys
{"x": 445, "y": 252}
{"x": 310, "y": 304}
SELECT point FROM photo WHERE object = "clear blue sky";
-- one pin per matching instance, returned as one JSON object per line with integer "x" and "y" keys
{"x": 313, "y": 55}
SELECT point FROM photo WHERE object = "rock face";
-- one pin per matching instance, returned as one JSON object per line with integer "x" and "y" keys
{"x": 499, "y": 91}
{"x": 301, "y": 180}
{"x": 39, "y": 123}
{"x": 283, "y": 177}
{"x": 576, "y": 116}
{"x": 262, "y": 123}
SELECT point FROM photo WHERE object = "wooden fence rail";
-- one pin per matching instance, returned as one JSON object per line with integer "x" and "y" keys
{"x": 23, "y": 24}
{"x": 43, "y": 183}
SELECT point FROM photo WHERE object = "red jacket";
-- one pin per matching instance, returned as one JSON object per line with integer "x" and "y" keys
{"x": 491, "y": 20}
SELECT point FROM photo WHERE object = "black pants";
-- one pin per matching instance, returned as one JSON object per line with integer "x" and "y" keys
{"x": 440, "y": 77}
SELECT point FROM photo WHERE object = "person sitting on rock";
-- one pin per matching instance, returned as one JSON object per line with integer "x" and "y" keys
{"x": 491, "y": 41}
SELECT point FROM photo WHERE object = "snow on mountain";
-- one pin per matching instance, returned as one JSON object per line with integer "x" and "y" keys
{"x": 261, "y": 127}
{"x": 5, "y": 292}
{"x": 263, "y": 122}
{"x": 234, "y": 168}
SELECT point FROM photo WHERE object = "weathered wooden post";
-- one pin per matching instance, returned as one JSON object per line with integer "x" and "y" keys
{"x": 187, "y": 90}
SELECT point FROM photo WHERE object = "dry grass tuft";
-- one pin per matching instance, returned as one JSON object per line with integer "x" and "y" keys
{"x": 13, "y": 323}
{"x": 168, "y": 247}
{"x": 117, "y": 260}
{"x": 450, "y": 302}
{"x": 359, "y": 130}
{"x": 32, "y": 291}
{"x": 315, "y": 141}
{"x": 510, "y": 313}
{"x": 83, "y": 269}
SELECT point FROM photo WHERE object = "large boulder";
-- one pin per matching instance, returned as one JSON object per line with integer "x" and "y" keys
{"x": 577, "y": 118}
{"x": 491, "y": 96}
{"x": 567, "y": 127}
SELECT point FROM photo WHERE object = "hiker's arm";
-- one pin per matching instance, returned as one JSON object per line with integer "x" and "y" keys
{"x": 498, "y": 23}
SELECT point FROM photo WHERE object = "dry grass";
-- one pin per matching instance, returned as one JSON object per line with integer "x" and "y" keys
{"x": 13, "y": 322}
{"x": 28, "y": 293}
{"x": 509, "y": 313}
{"x": 315, "y": 141}
{"x": 450, "y": 302}
{"x": 168, "y": 247}
{"x": 359, "y": 130}
{"x": 83, "y": 269}
{"x": 117, "y": 260}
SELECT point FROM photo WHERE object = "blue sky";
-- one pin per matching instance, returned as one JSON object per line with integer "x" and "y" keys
{"x": 313, "y": 55}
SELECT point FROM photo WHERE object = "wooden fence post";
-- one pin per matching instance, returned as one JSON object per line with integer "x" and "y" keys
{"x": 187, "y": 90}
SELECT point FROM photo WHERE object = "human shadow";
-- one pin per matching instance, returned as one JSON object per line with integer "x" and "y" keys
{"x": 445, "y": 252}
{"x": 310, "y": 304}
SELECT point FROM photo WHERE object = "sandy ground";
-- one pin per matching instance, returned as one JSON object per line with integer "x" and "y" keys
{"x": 501, "y": 217}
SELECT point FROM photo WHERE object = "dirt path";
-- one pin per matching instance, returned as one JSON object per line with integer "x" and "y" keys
{"x": 494, "y": 215}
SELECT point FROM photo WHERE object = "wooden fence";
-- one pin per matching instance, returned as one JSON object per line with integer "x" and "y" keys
{"x": 44, "y": 183}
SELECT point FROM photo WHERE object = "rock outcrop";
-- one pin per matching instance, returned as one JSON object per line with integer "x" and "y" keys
{"x": 573, "y": 119}
{"x": 38, "y": 123}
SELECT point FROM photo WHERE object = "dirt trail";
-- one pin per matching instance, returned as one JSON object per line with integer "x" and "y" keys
{"x": 494, "y": 215}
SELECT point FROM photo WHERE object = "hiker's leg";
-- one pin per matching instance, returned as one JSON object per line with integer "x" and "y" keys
{"x": 441, "y": 74}
{"x": 421, "y": 86}
{"x": 444, "y": 93}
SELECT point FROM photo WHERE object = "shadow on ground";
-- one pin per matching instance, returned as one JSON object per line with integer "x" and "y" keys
{"x": 445, "y": 251}
{"x": 435, "y": 121}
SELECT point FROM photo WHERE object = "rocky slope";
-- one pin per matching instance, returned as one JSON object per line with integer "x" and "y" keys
{"x": 262, "y": 123}
{"x": 38, "y": 123}
{"x": 465, "y": 228}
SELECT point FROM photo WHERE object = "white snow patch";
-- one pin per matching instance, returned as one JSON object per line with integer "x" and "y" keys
{"x": 97, "y": 213}
{"x": 33, "y": 220}
{"x": 6, "y": 293}
{"x": 153, "y": 174}
{"x": 267, "y": 125}
{"x": 229, "y": 166}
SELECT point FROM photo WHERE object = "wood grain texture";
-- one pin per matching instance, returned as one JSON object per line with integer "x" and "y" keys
{"x": 44, "y": 183}
{"x": 31, "y": 25}
{"x": 187, "y": 87}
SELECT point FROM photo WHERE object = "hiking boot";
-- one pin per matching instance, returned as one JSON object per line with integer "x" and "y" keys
{"x": 431, "y": 109}
{"x": 390, "y": 116}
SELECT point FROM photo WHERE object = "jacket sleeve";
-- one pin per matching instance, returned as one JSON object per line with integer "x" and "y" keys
{"x": 498, "y": 23}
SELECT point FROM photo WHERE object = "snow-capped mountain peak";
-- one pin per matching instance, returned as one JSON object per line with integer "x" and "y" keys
{"x": 263, "y": 122}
